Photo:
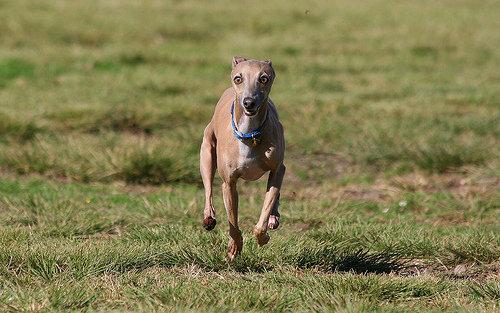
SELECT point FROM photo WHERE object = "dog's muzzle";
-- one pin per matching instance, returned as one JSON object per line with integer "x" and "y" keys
{"x": 251, "y": 106}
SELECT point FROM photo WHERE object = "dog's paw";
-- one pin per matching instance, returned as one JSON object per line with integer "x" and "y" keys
{"x": 209, "y": 223}
{"x": 234, "y": 248}
{"x": 274, "y": 222}
{"x": 261, "y": 236}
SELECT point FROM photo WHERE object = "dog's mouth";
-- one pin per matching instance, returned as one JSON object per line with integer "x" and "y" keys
{"x": 251, "y": 112}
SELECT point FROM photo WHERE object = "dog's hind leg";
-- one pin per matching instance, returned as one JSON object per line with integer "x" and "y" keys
{"x": 274, "y": 218}
{"x": 273, "y": 190}
{"x": 208, "y": 165}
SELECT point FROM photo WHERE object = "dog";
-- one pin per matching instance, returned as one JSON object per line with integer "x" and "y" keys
{"x": 244, "y": 139}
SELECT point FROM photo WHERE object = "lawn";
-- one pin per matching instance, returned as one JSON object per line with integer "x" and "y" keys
{"x": 391, "y": 201}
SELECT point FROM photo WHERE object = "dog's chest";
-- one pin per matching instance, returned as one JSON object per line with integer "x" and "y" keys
{"x": 248, "y": 158}
{"x": 253, "y": 162}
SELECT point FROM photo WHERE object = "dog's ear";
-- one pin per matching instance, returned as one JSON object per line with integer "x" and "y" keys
{"x": 271, "y": 66}
{"x": 237, "y": 60}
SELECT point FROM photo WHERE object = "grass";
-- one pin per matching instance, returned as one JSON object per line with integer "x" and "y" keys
{"x": 391, "y": 113}
{"x": 13, "y": 68}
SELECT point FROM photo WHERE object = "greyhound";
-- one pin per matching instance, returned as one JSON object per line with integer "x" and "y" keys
{"x": 244, "y": 140}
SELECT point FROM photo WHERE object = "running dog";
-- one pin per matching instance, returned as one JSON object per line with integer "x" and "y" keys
{"x": 244, "y": 140}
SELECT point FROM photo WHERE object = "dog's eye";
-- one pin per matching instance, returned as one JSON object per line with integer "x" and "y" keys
{"x": 263, "y": 79}
{"x": 237, "y": 80}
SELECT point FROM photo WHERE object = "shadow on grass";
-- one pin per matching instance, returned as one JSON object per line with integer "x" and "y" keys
{"x": 327, "y": 260}
{"x": 360, "y": 261}
{"x": 366, "y": 262}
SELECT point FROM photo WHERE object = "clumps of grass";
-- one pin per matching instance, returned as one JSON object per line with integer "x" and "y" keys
{"x": 392, "y": 138}
{"x": 57, "y": 217}
{"x": 14, "y": 68}
{"x": 75, "y": 156}
{"x": 168, "y": 90}
{"x": 16, "y": 129}
{"x": 24, "y": 161}
{"x": 131, "y": 119}
{"x": 52, "y": 157}
{"x": 71, "y": 296}
{"x": 486, "y": 291}
{"x": 345, "y": 242}
{"x": 479, "y": 248}
{"x": 177, "y": 246}
{"x": 124, "y": 119}
{"x": 110, "y": 157}
{"x": 303, "y": 292}
{"x": 119, "y": 119}
{"x": 44, "y": 265}
{"x": 439, "y": 158}
{"x": 153, "y": 261}
{"x": 157, "y": 168}
{"x": 119, "y": 62}
{"x": 434, "y": 153}
{"x": 91, "y": 38}
{"x": 424, "y": 51}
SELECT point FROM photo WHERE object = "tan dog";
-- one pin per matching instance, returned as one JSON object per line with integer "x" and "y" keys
{"x": 244, "y": 139}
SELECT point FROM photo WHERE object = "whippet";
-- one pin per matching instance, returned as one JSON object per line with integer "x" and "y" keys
{"x": 244, "y": 140}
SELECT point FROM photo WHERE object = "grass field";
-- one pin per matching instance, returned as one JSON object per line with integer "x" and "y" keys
{"x": 391, "y": 112}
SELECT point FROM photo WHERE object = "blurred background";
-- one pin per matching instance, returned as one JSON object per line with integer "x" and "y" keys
{"x": 391, "y": 112}
{"x": 121, "y": 90}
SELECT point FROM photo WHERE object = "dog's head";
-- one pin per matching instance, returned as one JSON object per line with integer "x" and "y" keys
{"x": 252, "y": 81}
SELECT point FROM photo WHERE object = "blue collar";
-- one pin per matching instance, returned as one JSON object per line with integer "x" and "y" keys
{"x": 254, "y": 135}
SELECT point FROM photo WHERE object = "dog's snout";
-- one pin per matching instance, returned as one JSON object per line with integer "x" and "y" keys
{"x": 248, "y": 103}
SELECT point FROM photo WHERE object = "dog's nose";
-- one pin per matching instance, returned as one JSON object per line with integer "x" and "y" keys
{"x": 248, "y": 103}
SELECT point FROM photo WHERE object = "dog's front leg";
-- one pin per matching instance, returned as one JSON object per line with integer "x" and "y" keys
{"x": 273, "y": 190}
{"x": 230, "y": 195}
{"x": 208, "y": 164}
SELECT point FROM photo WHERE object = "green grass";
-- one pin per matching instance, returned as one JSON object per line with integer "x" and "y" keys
{"x": 13, "y": 68}
{"x": 392, "y": 121}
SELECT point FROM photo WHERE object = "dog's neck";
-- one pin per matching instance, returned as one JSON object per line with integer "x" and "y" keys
{"x": 247, "y": 123}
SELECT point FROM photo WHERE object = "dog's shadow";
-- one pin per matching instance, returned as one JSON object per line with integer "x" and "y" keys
{"x": 326, "y": 260}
